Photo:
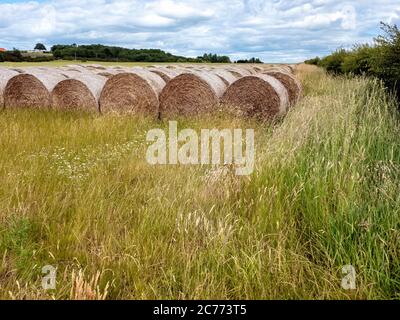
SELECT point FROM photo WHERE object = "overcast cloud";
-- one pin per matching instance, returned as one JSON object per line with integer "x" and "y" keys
{"x": 275, "y": 31}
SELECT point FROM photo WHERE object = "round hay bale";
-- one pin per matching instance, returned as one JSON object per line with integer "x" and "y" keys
{"x": 106, "y": 74}
{"x": 18, "y": 70}
{"x": 94, "y": 67}
{"x": 249, "y": 69}
{"x": 292, "y": 86}
{"x": 238, "y": 72}
{"x": 164, "y": 73}
{"x": 191, "y": 93}
{"x": 74, "y": 67}
{"x": 277, "y": 69}
{"x": 286, "y": 69}
{"x": 291, "y": 68}
{"x": 260, "y": 96}
{"x": 32, "y": 88}
{"x": 131, "y": 92}
{"x": 155, "y": 81}
{"x": 227, "y": 77}
{"x": 5, "y": 76}
{"x": 80, "y": 91}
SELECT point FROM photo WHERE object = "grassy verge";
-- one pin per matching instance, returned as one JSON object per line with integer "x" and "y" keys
{"x": 76, "y": 193}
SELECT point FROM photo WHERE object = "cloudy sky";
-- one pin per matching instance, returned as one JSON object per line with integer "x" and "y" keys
{"x": 274, "y": 30}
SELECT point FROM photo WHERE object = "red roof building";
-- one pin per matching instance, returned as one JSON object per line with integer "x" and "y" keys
{"x": 2, "y": 50}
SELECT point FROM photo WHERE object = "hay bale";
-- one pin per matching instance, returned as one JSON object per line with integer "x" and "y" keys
{"x": 227, "y": 77}
{"x": 250, "y": 70}
{"x": 260, "y": 96}
{"x": 155, "y": 81}
{"x": 291, "y": 68}
{"x": 191, "y": 93}
{"x": 238, "y": 72}
{"x": 291, "y": 84}
{"x": 165, "y": 73}
{"x": 32, "y": 88}
{"x": 257, "y": 69}
{"x": 132, "y": 92}
{"x": 5, "y": 76}
{"x": 106, "y": 72}
{"x": 278, "y": 69}
{"x": 79, "y": 91}
{"x": 74, "y": 67}
{"x": 93, "y": 67}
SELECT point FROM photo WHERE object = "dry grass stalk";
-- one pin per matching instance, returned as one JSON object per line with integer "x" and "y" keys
{"x": 83, "y": 289}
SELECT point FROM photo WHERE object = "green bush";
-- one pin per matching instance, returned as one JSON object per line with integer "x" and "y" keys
{"x": 359, "y": 61}
{"x": 386, "y": 62}
{"x": 39, "y": 59}
{"x": 13, "y": 56}
{"x": 380, "y": 60}
{"x": 316, "y": 61}
{"x": 333, "y": 63}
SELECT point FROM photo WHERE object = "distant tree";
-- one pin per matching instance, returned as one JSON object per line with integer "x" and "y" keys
{"x": 214, "y": 58}
{"x": 40, "y": 46}
{"x": 108, "y": 53}
{"x": 252, "y": 60}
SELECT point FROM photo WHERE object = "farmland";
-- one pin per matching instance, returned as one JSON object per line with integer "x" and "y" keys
{"x": 77, "y": 193}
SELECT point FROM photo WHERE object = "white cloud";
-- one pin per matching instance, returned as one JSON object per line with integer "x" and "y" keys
{"x": 272, "y": 30}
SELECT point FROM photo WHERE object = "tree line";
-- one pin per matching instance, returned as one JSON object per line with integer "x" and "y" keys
{"x": 381, "y": 59}
{"x": 99, "y": 52}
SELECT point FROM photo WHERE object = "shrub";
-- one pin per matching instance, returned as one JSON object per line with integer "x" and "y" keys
{"x": 386, "y": 62}
{"x": 333, "y": 63}
{"x": 359, "y": 61}
{"x": 13, "y": 56}
{"x": 316, "y": 61}
{"x": 380, "y": 60}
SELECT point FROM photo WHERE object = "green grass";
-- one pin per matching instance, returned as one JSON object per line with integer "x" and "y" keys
{"x": 76, "y": 193}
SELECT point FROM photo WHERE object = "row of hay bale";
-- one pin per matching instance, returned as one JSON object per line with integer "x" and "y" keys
{"x": 262, "y": 91}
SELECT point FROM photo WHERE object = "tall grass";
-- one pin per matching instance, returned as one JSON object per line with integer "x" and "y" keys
{"x": 77, "y": 193}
